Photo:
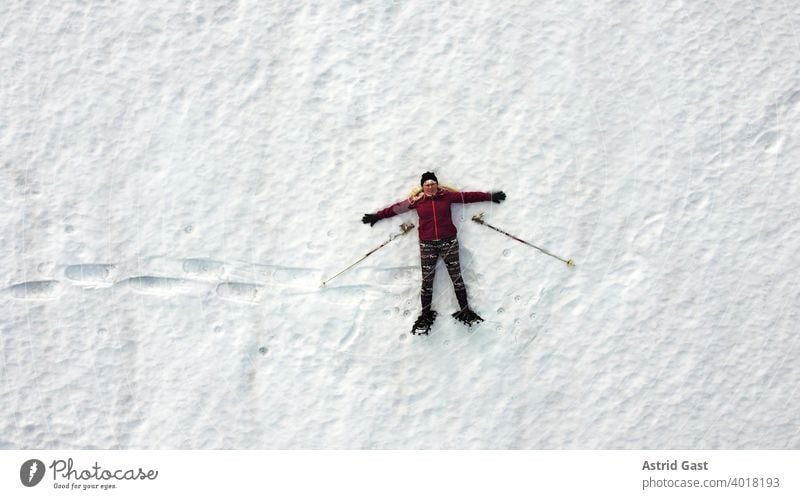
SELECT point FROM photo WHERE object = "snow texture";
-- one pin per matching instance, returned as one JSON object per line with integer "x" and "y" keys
{"x": 178, "y": 178}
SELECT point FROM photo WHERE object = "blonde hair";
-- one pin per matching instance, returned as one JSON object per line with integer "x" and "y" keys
{"x": 416, "y": 193}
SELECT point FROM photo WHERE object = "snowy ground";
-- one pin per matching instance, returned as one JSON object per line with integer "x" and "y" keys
{"x": 177, "y": 181}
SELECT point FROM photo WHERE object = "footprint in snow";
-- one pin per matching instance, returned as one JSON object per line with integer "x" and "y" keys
{"x": 36, "y": 290}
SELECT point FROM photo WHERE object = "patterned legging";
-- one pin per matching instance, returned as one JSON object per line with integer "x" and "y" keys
{"x": 430, "y": 251}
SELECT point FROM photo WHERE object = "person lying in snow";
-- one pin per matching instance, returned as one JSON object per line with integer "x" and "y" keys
{"x": 437, "y": 238}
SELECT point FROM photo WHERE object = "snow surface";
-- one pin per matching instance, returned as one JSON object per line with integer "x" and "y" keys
{"x": 177, "y": 179}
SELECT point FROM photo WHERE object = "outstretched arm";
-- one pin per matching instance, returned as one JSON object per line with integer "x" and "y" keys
{"x": 477, "y": 197}
{"x": 395, "y": 209}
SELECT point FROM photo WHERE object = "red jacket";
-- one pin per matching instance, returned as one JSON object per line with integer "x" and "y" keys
{"x": 435, "y": 221}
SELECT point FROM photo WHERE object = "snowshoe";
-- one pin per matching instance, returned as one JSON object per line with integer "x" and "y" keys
{"x": 424, "y": 322}
{"x": 467, "y": 316}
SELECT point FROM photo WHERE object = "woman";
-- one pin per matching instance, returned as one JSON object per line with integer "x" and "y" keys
{"x": 437, "y": 238}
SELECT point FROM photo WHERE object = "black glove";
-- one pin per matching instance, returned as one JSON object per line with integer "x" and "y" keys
{"x": 498, "y": 196}
{"x": 370, "y": 218}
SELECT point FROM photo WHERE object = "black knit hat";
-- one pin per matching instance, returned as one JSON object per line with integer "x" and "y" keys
{"x": 428, "y": 176}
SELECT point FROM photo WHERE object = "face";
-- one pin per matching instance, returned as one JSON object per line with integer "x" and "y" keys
{"x": 430, "y": 187}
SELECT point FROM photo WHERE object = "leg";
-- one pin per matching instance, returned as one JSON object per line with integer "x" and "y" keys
{"x": 453, "y": 263}
{"x": 450, "y": 256}
{"x": 429, "y": 254}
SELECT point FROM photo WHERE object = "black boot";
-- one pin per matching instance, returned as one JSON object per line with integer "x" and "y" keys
{"x": 424, "y": 322}
{"x": 467, "y": 316}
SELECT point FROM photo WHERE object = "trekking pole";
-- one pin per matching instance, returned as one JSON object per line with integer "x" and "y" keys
{"x": 479, "y": 219}
{"x": 404, "y": 229}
